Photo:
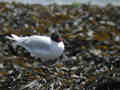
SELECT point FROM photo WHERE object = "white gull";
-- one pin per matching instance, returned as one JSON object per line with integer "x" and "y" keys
{"x": 43, "y": 47}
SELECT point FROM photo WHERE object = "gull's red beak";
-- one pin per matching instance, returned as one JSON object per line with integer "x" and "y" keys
{"x": 60, "y": 39}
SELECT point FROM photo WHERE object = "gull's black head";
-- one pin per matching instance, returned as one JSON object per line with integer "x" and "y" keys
{"x": 56, "y": 37}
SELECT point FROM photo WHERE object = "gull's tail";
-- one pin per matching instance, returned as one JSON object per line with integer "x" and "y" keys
{"x": 13, "y": 37}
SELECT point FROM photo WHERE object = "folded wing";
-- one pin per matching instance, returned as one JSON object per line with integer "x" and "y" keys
{"x": 35, "y": 42}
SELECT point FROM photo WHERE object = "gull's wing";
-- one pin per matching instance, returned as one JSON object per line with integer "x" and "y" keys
{"x": 35, "y": 42}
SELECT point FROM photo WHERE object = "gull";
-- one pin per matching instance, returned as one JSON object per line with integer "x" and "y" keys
{"x": 41, "y": 46}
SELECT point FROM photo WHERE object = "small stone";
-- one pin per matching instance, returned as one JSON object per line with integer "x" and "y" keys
{"x": 111, "y": 23}
{"x": 65, "y": 68}
{"x": 74, "y": 68}
{"x": 1, "y": 66}
{"x": 75, "y": 76}
{"x": 26, "y": 25}
{"x": 96, "y": 51}
{"x": 117, "y": 38}
{"x": 102, "y": 22}
{"x": 91, "y": 18}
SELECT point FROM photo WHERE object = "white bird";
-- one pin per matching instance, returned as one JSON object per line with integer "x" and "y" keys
{"x": 43, "y": 47}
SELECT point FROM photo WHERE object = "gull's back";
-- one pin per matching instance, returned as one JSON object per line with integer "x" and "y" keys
{"x": 35, "y": 42}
